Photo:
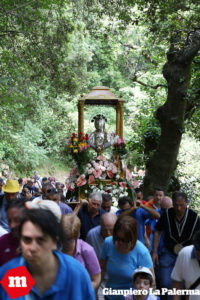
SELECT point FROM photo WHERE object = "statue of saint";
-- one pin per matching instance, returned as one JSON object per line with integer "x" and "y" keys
{"x": 99, "y": 140}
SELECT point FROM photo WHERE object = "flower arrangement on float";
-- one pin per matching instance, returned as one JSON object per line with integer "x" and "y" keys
{"x": 101, "y": 175}
{"x": 78, "y": 144}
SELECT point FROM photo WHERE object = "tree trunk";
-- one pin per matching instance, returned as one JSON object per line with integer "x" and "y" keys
{"x": 171, "y": 116}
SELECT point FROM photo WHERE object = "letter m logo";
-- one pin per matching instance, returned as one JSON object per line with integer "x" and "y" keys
{"x": 17, "y": 282}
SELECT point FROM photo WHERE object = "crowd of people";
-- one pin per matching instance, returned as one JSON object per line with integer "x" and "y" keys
{"x": 94, "y": 250}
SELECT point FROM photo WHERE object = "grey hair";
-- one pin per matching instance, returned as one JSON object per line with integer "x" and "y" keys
{"x": 96, "y": 196}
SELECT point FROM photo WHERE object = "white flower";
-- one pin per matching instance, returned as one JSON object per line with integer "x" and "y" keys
{"x": 89, "y": 165}
{"x": 115, "y": 203}
{"x": 125, "y": 194}
{"x": 86, "y": 191}
{"x": 117, "y": 176}
{"x": 101, "y": 186}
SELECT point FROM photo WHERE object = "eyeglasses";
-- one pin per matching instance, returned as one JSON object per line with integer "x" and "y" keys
{"x": 52, "y": 191}
{"x": 121, "y": 239}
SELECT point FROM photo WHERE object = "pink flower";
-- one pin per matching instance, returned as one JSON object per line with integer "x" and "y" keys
{"x": 128, "y": 174}
{"x": 135, "y": 184}
{"x": 114, "y": 169}
{"x": 116, "y": 162}
{"x": 119, "y": 141}
{"x": 106, "y": 164}
{"x": 81, "y": 181}
{"x": 110, "y": 174}
{"x": 123, "y": 184}
{"x": 90, "y": 171}
{"x": 140, "y": 172}
{"x": 97, "y": 173}
{"x": 91, "y": 179}
{"x": 101, "y": 157}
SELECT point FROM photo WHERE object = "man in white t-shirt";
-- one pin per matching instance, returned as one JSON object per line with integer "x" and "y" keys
{"x": 186, "y": 272}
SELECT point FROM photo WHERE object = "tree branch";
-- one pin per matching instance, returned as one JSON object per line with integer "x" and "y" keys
{"x": 18, "y": 7}
{"x": 148, "y": 85}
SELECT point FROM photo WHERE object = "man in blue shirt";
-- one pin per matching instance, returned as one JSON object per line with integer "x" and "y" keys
{"x": 140, "y": 213}
{"x": 57, "y": 276}
{"x": 90, "y": 214}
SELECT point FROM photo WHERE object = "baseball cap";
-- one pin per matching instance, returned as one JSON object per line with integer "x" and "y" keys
{"x": 142, "y": 270}
{"x": 45, "y": 204}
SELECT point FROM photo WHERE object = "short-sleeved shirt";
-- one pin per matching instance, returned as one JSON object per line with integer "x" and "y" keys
{"x": 140, "y": 215}
{"x": 187, "y": 269}
{"x": 168, "y": 224}
{"x": 87, "y": 221}
{"x": 120, "y": 267}
{"x": 65, "y": 209}
{"x": 72, "y": 281}
{"x": 96, "y": 240}
{"x": 87, "y": 257}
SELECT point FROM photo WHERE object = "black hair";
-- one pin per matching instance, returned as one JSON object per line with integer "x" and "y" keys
{"x": 106, "y": 197}
{"x": 1, "y": 181}
{"x": 138, "y": 190}
{"x": 46, "y": 220}
{"x": 143, "y": 275}
{"x": 179, "y": 194}
{"x": 20, "y": 180}
{"x": 159, "y": 189}
{"x": 124, "y": 200}
{"x": 44, "y": 179}
{"x": 16, "y": 203}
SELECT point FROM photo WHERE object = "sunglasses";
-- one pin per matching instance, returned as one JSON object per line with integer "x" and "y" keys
{"x": 53, "y": 191}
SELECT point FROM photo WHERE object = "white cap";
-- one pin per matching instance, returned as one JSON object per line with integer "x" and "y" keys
{"x": 143, "y": 270}
{"x": 45, "y": 204}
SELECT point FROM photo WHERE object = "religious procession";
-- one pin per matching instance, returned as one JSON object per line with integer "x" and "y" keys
{"x": 96, "y": 236}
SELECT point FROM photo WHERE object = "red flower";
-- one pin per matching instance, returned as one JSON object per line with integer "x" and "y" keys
{"x": 81, "y": 181}
{"x": 69, "y": 188}
{"x": 123, "y": 184}
{"x": 73, "y": 135}
{"x": 114, "y": 183}
{"x": 108, "y": 191}
{"x": 91, "y": 179}
{"x": 110, "y": 174}
{"x": 81, "y": 133}
{"x": 86, "y": 137}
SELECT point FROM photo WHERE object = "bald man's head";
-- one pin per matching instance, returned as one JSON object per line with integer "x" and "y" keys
{"x": 166, "y": 202}
{"x": 108, "y": 221}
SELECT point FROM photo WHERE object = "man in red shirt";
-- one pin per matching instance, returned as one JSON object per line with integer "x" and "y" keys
{"x": 9, "y": 242}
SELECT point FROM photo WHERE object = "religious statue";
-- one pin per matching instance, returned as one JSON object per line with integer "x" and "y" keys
{"x": 99, "y": 140}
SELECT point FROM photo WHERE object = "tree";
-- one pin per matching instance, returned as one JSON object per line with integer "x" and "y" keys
{"x": 175, "y": 24}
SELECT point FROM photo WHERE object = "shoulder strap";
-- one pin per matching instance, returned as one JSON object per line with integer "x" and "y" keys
{"x": 195, "y": 284}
